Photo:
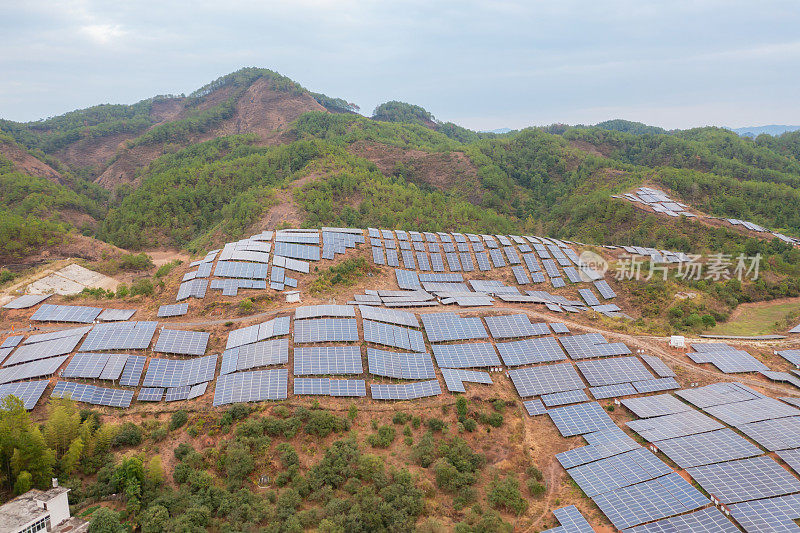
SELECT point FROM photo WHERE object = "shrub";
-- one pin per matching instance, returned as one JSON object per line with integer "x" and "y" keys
{"x": 495, "y": 419}
{"x": 534, "y": 472}
{"x": 129, "y": 435}
{"x": 424, "y": 452}
{"x": 400, "y": 417}
{"x": 461, "y": 408}
{"x": 383, "y": 438}
{"x": 135, "y": 262}
{"x": 436, "y": 424}
{"x": 504, "y": 493}
{"x": 470, "y": 425}
{"x": 122, "y": 291}
{"x": 142, "y": 286}
{"x": 536, "y": 488}
{"x": 182, "y": 450}
{"x": 179, "y": 418}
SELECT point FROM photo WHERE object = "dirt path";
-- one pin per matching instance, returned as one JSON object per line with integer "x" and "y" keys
{"x": 285, "y": 211}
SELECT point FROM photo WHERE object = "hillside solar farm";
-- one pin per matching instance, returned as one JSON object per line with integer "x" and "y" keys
{"x": 511, "y": 338}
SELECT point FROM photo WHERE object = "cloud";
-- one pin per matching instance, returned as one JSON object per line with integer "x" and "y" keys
{"x": 103, "y": 33}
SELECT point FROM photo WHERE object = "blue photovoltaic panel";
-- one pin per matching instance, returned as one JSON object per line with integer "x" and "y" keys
{"x": 707, "y": 448}
{"x": 650, "y": 500}
{"x": 251, "y": 386}
{"x": 483, "y": 261}
{"x": 391, "y": 316}
{"x": 612, "y": 391}
{"x": 769, "y": 515}
{"x": 177, "y": 373}
{"x": 66, "y": 313}
{"x": 618, "y": 471}
{"x": 405, "y": 391}
{"x": 26, "y": 300}
{"x": 718, "y": 394}
{"x": 612, "y": 371}
{"x": 182, "y": 342}
{"x": 471, "y": 355}
{"x": 400, "y": 365}
{"x": 751, "y": 411}
{"x": 34, "y": 369}
{"x": 571, "y": 520}
{"x": 454, "y": 378}
{"x": 327, "y": 360}
{"x": 659, "y": 405}
{"x": 195, "y": 288}
{"x": 378, "y": 256}
{"x": 391, "y": 335}
{"x": 563, "y": 398}
{"x": 436, "y": 262}
{"x": 175, "y": 394}
{"x": 709, "y": 520}
{"x": 85, "y": 365}
{"x": 119, "y": 336}
{"x": 166, "y": 311}
{"x": 535, "y": 407}
{"x": 513, "y": 326}
{"x": 605, "y": 290}
{"x": 580, "y": 418}
{"x": 43, "y": 350}
{"x": 325, "y": 330}
{"x": 528, "y": 351}
{"x": 132, "y": 373}
{"x": 354, "y": 388}
{"x": 297, "y": 251}
{"x": 150, "y": 394}
{"x": 655, "y": 385}
{"x": 264, "y": 353}
{"x": 675, "y": 425}
{"x": 28, "y": 391}
{"x": 777, "y": 434}
{"x": 745, "y": 479}
{"x": 604, "y": 443}
{"x": 545, "y": 379}
{"x": 658, "y": 366}
{"x": 442, "y": 327}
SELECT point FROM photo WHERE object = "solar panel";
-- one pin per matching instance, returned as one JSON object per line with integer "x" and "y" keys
{"x": 659, "y": 405}
{"x": 791, "y": 458}
{"x": 43, "y": 350}
{"x": 391, "y": 316}
{"x": 656, "y": 385}
{"x": 405, "y": 391}
{"x": 534, "y": 407}
{"x": 605, "y": 289}
{"x": 26, "y": 300}
{"x": 111, "y": 315}
{"x": 263, "y": 353}
{"x": 66, "y": 313}
{"x": 132, "y": 372}
{"x": 707, "y": 448}
{"x": 69, "y": 332}
{"x": 791, "y": 400}
{"x": 709, "y": 520}
{"x": 580, "y": 418}
{"x": 407, "y": 279}
{"x": 650, "y": 500}
{"x": 166, "y": 311}
{"x": 751, "y": 411}
{"x": 730, "y": 362}
{"x": 119, "y": 336}
{"x": 391, "y": 258}
{"x": 325, "y": 330}
{"x": 563, "y": 398}
{"x": 330, "y": 387}
{"x": 11, "y": 342}
{"x": 34, "y": 369}
{"x": 658, "y": 366}
{"x": 528, "y": 351}
{"x": 327, "y": 360}
{"x": 454, "y": 378}
{"x": 400, "y": 365}
{"x": 29, "y": 391}
{"x": 466, "y": 261}
{"x": 588, "y": 297}
{"x": 769, "y": 515}
{"x": 315, "y": 311}
{"x": 178, "y": 373}
{"x": 612, "y": 371}
{"x": 378, "y": 256}
{"x": 81, "y": 392}
{"x": 745, "y": 479}
{"x": 619, "y": 471}
{"x": 606, "y": 442}
{"x": 792, "y": 356}
{"x": 612, "y": 391}
{"x": 512, "y": 326}
{"x": 442, "y": 327}
{"x": 436, "y": 261}
{"x": 535, "y": 381}
{"x": 150, "y": 394}
{"x": 483, "y": 261}
{"x": 297, "y": 251}
{"x": 571, "y": 520}
{"x": 718, "y": 394}
{"x": 175, "y": 394}
{"x": 558, "y": 327}
{"x": 471, "y": 355}
{"x": 391, "y": 335}
{"x": 85, "y": 365}
{"x": 777, "y": 434}
{"x": 422, "y": 261}
{"x": 195, "y": 288}
{"x": 251, "y": 386}
{"x": 182, "y": 342}
{"x": 675, "y": 425}
{"x": 591, "y": 345}
{"x": 497, "y": 258}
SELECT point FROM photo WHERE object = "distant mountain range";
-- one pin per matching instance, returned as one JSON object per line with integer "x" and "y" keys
{"x": 772, "y": 129}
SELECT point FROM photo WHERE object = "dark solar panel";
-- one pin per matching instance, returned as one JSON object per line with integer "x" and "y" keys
{"x": 327, "y": 360}
{"x": 707, "y": 448}
{"x": 251, "y": 386}
{"x": 405, "y": 391}
{"x": 745, "y": 479}
{"x": 580, "y": 418}
{"x": 471, "y": 355}
{"x": 400, "y": 365}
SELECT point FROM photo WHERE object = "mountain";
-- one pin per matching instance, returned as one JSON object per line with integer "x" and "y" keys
{"x": 755, "y": 131}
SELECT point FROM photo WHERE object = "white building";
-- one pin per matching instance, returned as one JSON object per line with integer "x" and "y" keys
{"x": 38, "y": 510}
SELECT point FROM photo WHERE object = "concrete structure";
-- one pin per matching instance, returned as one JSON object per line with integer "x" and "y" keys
{"x": 677, "y": 341}
{"x": 292, "y": 296}
{"x": 38, "y": 510}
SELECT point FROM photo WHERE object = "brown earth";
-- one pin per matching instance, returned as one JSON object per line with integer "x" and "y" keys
{"x": 27, "y": 164}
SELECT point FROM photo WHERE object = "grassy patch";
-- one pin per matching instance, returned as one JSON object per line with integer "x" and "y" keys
{"x": 759, "y": 319}
{"x": 346, "y": 273}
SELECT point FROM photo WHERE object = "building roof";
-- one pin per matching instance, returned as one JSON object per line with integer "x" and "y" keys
{"x": 24, "y": 509}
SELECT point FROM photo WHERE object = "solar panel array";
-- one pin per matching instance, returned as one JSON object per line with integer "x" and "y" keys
{"x": 580, "y": 418}
{"x": 182, "y": 342}
{"x": 718, "y": 394}
{"x": 745, "y": 479}
{"x": 708, "y": 520}
{"x": 330, "y": 387}
{"x": 405, "y": 391}
{"x": 326, "y": 330}
{"x": 251, "y": 386}
{"x": 113, "y": 315}
{"x": 195, "y": 288}
{"x": 563, "y": 398}
{"x": 34, "y": 369}
{"x": 658, "y": 366}
{"x": 85, "y": 365}
{"x": 454, "y": 378}
{"x": 179, "y": 373}
{"x": 43, "y": 350}
{"x": 768, "y": 515}
{"x": 150, "y": 394}
{"x": 442, "y": 327}
{"x": 516, "y": 353}
{"x": 751, "y": 411}
{"x": 28, "y": 391}
{"x": 119, "y": 336}
{"x": 81, "y": 392}
{"x": 471, "y": 355}
{"x": 400, "y": 365}
{"x": 730, "y": 362}
{"x": 675, "y": 425}
{"x": 615, "y": 370}
{"x": 132, "y": 372}
{"x": 612, "y": 391}
{"x": 775, "y": 434}
{"x": 66, "y": 313}
{"x": 264, "y": 353}
{"x": 166, "y": 311}
{"x": 12, "y": 341}
{"x": 538, "y": 380}
{"x": 327, "y": 360}
{"x": 512, "y": 326}
{"x": 571, "y": 520}
{"x": 391, "y": 335}
{"x": 316, "y": 311}
{"x": 175, "y": 394}
{"x": 650, "y": 406}
{"x": 391, "y": 316}
{"x": 603, "y": 443}
{"x": 258, "y": 332}
{"x": 605, "y": 289}
{"x": 707, "y": 448}
{"x": 609, "y": 474}
{"x": 591, "y": 345}
{"x": 26, "y": 300}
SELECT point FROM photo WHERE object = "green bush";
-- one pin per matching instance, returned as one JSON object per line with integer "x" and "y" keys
{"x": 504, "y": 493}
{"x": 178, "y": 419}
{"x": 129, "y": 435}
{"x": 383, "y": 438}
{"x": 436, "y": 424}
{"x": 142, "y": 286}
{"x": 536, "y": 488}
{"x": 135, "y": 262}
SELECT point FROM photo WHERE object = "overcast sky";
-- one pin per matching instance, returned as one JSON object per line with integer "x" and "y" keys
{"x": 481, "y": 64}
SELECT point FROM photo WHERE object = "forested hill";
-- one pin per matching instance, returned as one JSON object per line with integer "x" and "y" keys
{"x": 254, "y": 149}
